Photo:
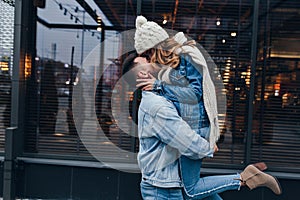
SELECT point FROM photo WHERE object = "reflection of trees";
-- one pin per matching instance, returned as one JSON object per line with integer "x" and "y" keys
{"x": 48, "y": 100}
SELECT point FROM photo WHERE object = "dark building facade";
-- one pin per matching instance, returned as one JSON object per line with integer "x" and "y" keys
{"x": 68, "y": 122}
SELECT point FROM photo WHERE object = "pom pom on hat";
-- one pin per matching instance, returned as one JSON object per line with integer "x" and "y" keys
{"x": 148, "y": 34}
{"x": 140, "y": 20}
{"x": 180, "y": 38}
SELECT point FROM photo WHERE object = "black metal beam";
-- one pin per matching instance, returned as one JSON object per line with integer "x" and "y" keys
{"x": 110, "y": 12}
{"x": 89, "y": 10}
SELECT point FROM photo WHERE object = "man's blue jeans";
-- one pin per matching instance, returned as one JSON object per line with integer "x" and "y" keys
{"x": 150, "y": 192}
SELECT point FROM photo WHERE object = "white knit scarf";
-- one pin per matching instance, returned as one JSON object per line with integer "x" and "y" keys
{"x": 209, "y": 92}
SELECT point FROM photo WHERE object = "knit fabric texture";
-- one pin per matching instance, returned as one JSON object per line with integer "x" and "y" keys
{"x": 148, "y": 34}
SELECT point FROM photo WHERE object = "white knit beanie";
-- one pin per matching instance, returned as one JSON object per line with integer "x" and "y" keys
{"x": 148, "y": 34}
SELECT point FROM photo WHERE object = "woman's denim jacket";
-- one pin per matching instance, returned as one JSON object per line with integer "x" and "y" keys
{"x": 163, "y": 137}
{"x": 185, "y": 91}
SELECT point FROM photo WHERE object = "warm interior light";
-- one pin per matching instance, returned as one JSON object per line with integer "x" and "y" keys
{"x": 4, "y": 66}
{"x": 218, "y": 22}
{"x": 27, "y": 70}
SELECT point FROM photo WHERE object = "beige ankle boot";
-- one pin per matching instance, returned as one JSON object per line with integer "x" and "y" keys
{"x": 253, "y": 178}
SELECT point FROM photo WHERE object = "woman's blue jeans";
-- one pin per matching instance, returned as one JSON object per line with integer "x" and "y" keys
{"x": 205, "y": 187}
{"x": 150, "y": 192}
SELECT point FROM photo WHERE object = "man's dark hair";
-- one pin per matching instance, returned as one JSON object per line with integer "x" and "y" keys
{"x": 130, "y": 78}
{"x": 127, "y": 65}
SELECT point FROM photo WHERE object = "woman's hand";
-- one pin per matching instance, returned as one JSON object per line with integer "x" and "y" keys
{"x": 216, "y": 148}
{"x": 146, "y": 83}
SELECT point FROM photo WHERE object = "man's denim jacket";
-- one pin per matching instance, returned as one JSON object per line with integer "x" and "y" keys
{"x": 185, "y": 92}
{"x": 164, "y": 136}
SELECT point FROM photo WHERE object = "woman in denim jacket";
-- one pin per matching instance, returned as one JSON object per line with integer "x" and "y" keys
{"x": 181, "y": 82}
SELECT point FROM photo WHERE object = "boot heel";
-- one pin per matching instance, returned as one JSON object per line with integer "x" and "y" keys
{"x": 261, "y": 166}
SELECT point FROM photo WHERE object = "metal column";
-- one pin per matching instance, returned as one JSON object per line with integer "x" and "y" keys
{"x": 252, "y": 81}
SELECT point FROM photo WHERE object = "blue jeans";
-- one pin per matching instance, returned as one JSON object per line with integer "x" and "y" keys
{"x": 150, "y": 192}
{"x": 212, "y": 185}
{"x": 207, "y": 187}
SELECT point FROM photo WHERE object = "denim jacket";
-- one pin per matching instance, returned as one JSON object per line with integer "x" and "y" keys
{"x": 163, "y": 137}
{"x": 185, "y": 91}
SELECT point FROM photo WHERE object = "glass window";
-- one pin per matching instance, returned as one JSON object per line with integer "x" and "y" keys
{"x": 276, "y": 116}
{"x": 77, "y": 70}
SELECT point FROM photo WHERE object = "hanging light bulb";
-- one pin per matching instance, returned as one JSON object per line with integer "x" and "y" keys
{"x": 99, "y": 24}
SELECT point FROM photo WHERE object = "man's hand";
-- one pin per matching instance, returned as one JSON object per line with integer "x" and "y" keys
{"x": 146, "y": 83}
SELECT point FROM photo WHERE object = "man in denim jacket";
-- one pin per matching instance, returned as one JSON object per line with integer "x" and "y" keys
{"x": 164, "y": 136}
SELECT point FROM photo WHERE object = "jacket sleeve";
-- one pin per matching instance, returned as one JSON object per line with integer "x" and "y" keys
{"x": 175, "y": 132}
{"x": 184, "y": 89}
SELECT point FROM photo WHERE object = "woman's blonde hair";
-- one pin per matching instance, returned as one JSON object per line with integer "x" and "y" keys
{"x": 165, "y": 52}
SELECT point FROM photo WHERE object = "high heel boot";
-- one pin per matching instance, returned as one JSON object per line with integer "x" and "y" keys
{"x": 253, "y": 178}
{"x": 261, "y": 166}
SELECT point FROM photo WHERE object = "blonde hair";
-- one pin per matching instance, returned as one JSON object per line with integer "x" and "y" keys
{"x": 165, "y": 52}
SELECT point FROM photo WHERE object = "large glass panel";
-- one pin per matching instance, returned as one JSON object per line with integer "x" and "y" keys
{"x": 64, "y": 39}
{"x": 77, "y": 70}
{"x": 276, "y": 135}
